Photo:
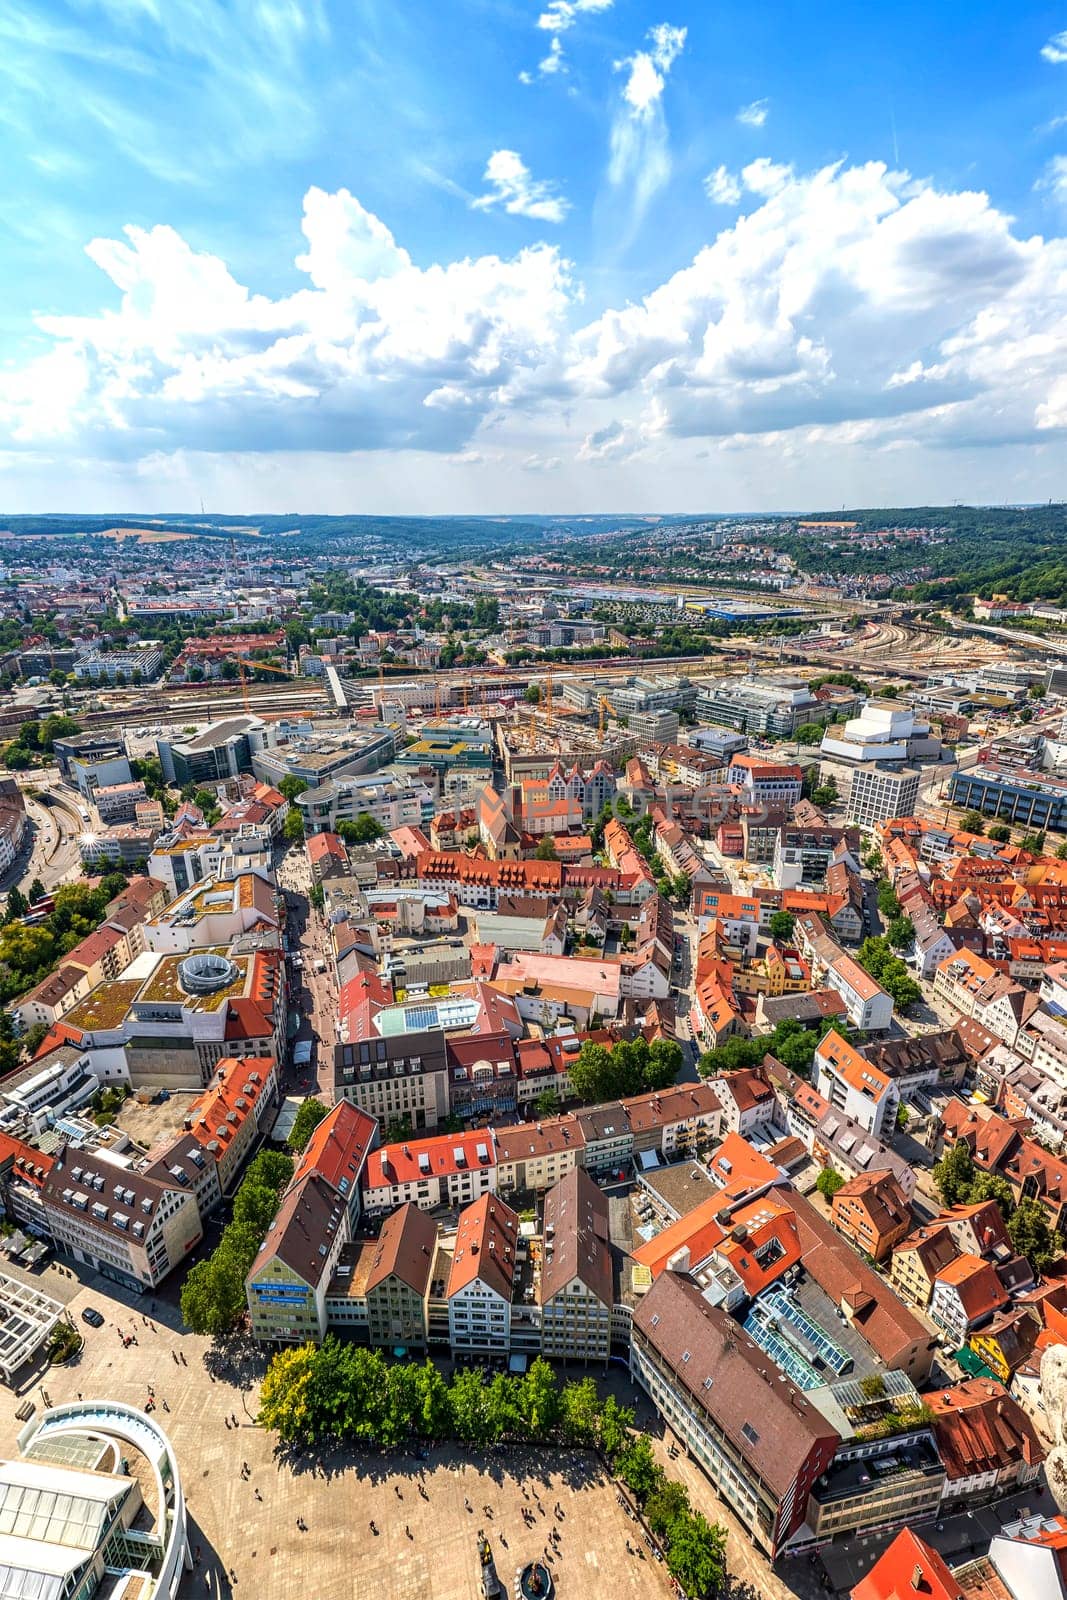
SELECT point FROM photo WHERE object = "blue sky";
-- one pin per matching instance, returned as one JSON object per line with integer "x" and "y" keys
{"x": 495, "y": 255}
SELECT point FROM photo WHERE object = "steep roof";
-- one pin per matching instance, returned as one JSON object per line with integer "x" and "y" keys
{"x": 338, "y": 1147}
{"x": 405, "y": 1248}
{"x": 884, "y": 1321}
{"x": 485, "y": 1247}
{"x": 575, "y": 1226}
{"x": 909, "y": 1570}
{"x": 304, "y": 1229}
{"x": 979, "y": 1428}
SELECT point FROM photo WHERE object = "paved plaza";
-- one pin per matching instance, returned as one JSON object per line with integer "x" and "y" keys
{"x": 426, "y": 1540}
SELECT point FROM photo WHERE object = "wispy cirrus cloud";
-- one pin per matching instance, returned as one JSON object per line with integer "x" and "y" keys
{"x": 1053, "y": 179}
{"x": 549, "y": 66}
{"x": 640, "y": 151}
{"x": 755, "y": 114}
{"x": 513, "y": 186}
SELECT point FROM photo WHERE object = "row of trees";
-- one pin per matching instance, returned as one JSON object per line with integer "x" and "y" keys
{"x": 213, "y": 1296}
{"x": 961, "y": 1183}
{"x": 792, "y": 1044}
{"x": 630, "y": 1067}
{"x": 315, "y": 1396}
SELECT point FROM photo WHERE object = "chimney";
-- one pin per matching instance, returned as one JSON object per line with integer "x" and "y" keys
{"x": 917, "y": 1577}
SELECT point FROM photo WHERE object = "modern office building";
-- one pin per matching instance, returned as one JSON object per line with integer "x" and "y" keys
{"x": 108, "y": 1216}
{"x": 221, "y": 750}
{"x": 1027, "y": 799}
{"x": 768, "y": 708}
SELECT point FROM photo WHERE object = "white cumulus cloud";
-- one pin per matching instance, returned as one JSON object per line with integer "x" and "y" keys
{"x": 722, "y": 187}
{"x": 514, "y": 187}
{"x": 755, "y": 114}
{"x": 1056, "y": 49}
{"x": 851, "y": 309}
{"x": 563, "y": 14}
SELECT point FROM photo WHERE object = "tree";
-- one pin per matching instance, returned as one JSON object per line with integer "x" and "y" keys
{"x": 615, "y": 1424}
{"x": 824, "y": 795}
{"x": 828, "y": 1182}
{"x": 888, "y": 903}
{"x": 991, "y": 1186}
{"x": 900, "y": 932}
{"x": 781, "y": 925}
{"x": 547, "y": 1104}
{"x": 972, "y": 822}
{"x": 35, "y": 892}
{"x": 639, "y": 1469}
{"x": 467, "y": 1399}
{"x": 34, "y": 1037}
{"x": 591, "y": 1074}
{"x": 954, "y": 1175}
{"x": 665, "y": 1061}
{"x": 283, "y": 1397}
{"x": 1033, "y": 843}
{"x": 206, "y": 800}
{"x": 291, "y": 786}
{"x": 876, "y": 957}
{"x": 539, "y": 1405}
{"x": 737, "y": 1052}
{"x": 669, "y": 1502}
{"x": 317, "y": 896}
{"x": 680, "y": 889}
{"x": 533, "y": 694}
{"x": 809, "y": 733}
{"x": 17, "y": 905}
{"x": 999, "y": 832}
{"x": 546, "y": 849}
{"x": 305, "y": 1122}
{"x": 364, "y": 830}
{"x": 1061, "y": 851}
{"x": 433, "y": 1414}
{"x": 213, "y": 1296}
{"x": 1032, "y": 1235}
{"x": 579, "y": 1411}
{"x": 697, "y": 1554}
{"x": 293, "y": 827}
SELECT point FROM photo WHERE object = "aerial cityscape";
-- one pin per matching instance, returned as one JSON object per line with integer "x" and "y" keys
{"x": 533, "y": 1015}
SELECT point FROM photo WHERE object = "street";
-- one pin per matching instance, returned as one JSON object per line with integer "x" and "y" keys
{"x": 312, "y": 993}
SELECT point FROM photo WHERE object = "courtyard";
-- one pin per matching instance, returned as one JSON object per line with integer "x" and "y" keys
{"x": 427, "y": 1508}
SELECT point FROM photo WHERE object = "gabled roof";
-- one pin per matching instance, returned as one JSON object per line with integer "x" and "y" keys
{"x": 485, "y": 1247}
{"x": 338, "y": 1147}
{"x": 979, "y": 1428}
{"x": 977, "y": 1285}
{"x": 304, "y": 1229}
{"x": 909, "y": 1570}
{"x": 576, "y": 1243}
{"x": 405, "y": 1249}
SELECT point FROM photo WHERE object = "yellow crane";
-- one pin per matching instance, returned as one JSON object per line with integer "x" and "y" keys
{"x": 605, "y": 705}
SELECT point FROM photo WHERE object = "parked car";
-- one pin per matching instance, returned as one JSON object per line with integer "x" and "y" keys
{"x": 92, "y": 1317}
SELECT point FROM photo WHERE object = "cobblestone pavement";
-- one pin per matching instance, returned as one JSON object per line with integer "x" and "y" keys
{"x": 426, "y": 1540}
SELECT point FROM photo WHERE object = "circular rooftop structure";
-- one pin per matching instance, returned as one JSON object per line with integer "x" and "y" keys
{"x": 206, "y": 973}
